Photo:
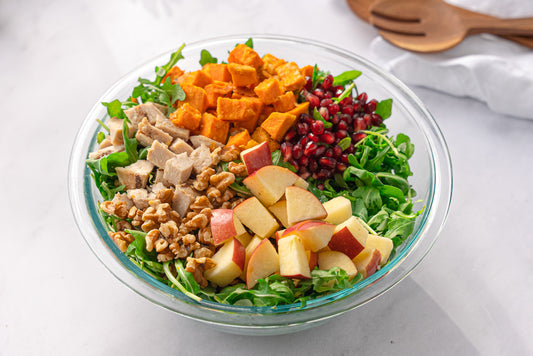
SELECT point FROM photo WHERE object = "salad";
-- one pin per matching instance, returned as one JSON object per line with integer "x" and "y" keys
{"x": 253, "y": 181}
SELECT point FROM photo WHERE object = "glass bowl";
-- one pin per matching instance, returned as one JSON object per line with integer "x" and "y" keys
{"x": 432, "y": 180}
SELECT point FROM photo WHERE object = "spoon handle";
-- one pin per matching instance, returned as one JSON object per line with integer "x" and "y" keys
{"x": 481, "y": 24}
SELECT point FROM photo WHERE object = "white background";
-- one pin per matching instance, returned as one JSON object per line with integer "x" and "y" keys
{"x": 471, "y": 295}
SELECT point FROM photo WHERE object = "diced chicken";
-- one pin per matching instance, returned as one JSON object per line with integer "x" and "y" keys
{"x": 183, "y": 197}
{"x": 199, "y": 140}
{"x": 106, "y": 151}
{"x": 162, "y": 108}
{"x": 159, "y": 176}
{"x": 135, "y": 175}
{"x": 159, "y": 154}
{"x": 157, "y": 187}
{"x": 201, "y": 158}
{"x": 115, "y": 131}
{"x": 168, "y": 126}
{"x": 141, "y": 198}
{"x": 106, "y": 142}
{"x": 147, "y": 134}
{"x": 139, "y": 112}
{"x": 180, "y": 146}
{"x": 177, "y": 169}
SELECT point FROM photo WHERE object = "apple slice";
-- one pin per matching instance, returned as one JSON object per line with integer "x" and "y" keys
{"x": 280, "y": 211}
{"x": 268, "y": 183}
{"x": 256, "y": 217}
{"x": 315, "y": 235}
{"x": 256, "y": 157}
{"x": 329, "y": 259}
{"x": 254, "y": 242}
{"x": 302, "y": 183}
{"x": 367, "y": 262}
{"x": 225, "y": 225}
{"x": 244, "y": 239}
{"x": 312, "y": 258}
{"x": 303, "y": 205}
{"x": 339, "y": 209}
{"x": 349, "y": 237}
{"x": 293, "y": 261}
{"x": 229, "y": 261}
{"x": 263, "y": 262}
{"x": 382, "y": 244}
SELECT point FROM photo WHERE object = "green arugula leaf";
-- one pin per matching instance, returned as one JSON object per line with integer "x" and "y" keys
{"x": 317, "y": 116}
{"x": 100, "y": 137}
{"x": 345, "y": 143}
{"x": 206, "y": 57}
{"x": 250, "y": 43}
{"x": 384, "y": 108}
{"x": 114, "y": 109}
{"x": 163, "y": 70}
{"x": 346, "y": 77}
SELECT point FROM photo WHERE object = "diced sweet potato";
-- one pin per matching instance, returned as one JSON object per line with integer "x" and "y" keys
{"x": 307, "y": 71}
{"x": 278, "y": 124}
{"x": 215, "y": 90}
{"x": 187, "y": 117}
{"x": 217, "y": 71}
{"x": 194, "y": 96}
{"x": 239, "y": 139}
{"x": 174, "y": 73}
{"x": 197, "y": 78}
{"x": 290, "y": 76}
{"x": 285, "y": 102}
{"x": 214, "y": 128}
{"x": 251, "y": 144}
{"x": 242, "y": 54}
{"x": 270, "y": 63}
{"x": 269, "y": 90}
{"x": 238, "y": 110}
{"x": 257, "y": 106}
{"x": 300, "y": 109}
{"x": 243, "y": 75}
{"x": 260, "y": 135}
{"x": 267, "y": 110}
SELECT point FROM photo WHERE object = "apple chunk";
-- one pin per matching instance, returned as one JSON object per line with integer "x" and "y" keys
{"x": 349, "y": 237}
{"x": 256, "y": 157}
{"x": 315, "y": 235}
{"x": 303, "y": 205}
{"x": 225, "y": 225}
{"x": 312, "y": 258}
{"x": 293, "y": 261}
{"x": 339, "y": 209}
{"x": 383, "y": 244}
{"x": 254, "y": 242}
{"x": 329, "y": 259}
{"x": 229, "y": 261}
{"x": 263, "y": 262}
{"x": 256, "y": 217}
{"x": 268, "y": 183}
{"x": 280, "y": 211}
{"x": 367, "y": 262}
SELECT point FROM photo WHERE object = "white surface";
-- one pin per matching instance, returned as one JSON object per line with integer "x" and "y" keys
{"x": 471, "y": 295}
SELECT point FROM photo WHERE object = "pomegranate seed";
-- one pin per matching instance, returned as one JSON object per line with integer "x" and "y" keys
{"x": 327, "y": 82}
{"x": 327, "y": 137}
{"x": 295, "y": 164}
{"x": 309, "y": 83}
{"x": 367, "y": 120}
{"x": 344, "y": 158}
{"x": 326, "y": 102}
{"x": 338, "y": 92}
{"x": 342, "y": 125}
{"x": 324, "y": 173}
{"x": 317, "y": 127}
{"x": 347, "y": 109}
{"x": 333, "y": 109}
{"x": 376, "y": 119}
{"x": 303, "y": 161}
{"x": 320, "y": 151}
{"x": 340, "y": 134}
{"x": 297, "y": 151}
{"x": 310, "y": 148}
{"x": 358, "y": 136}
{"x": 327, "y": 162}
{"x": 313, "y": 100}
{"x": 357, "y": 106}
{"x": 350, "y": 149}
{"x": 335, "y": 119}
{"x": 303, "y": 141}
{"x": 337, "y": 151}
{"x": 328, "y": 95}
{"x": 286, "y": 150}
{"x": 340, "y": 167}
{"x": 305, "y": 118}
{"x": 319, "y": 186}
{"x": 313, "y": 137}
{"x": 359, "y": 124}
{"x": 324, "y": 113}
{"x": 337, "y": 87}
{"x": 302, "y": 128}
{"x": 370, "y": 107}
{"x": 290, "y": 135}
{"x": 346, "y": 101}
{"x": 313, "y": 165}
{"x": 363, "y": 97}
{"x": 304, "y": 175}
{"x": 328, "y": 153}
{"x": 319, "y": 93}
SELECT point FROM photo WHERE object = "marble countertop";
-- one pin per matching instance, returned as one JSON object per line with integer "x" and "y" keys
{"x": 471, "y": 295}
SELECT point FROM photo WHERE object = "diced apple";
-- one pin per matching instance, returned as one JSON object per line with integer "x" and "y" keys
{"x": 383, "y": 244}
{"x": 268, "y": 183}
{"x": 339, "y": 209}
{"x": 280, "y": 211}
{"x": 244, "y": 239}
{"x": 293, "y": 261}
{"x": 229, "y": 261}
{"x": 302, "y": 183}
{"x": 303, "y": 205}
{"x": 256, "y": 217}
{"x": 329, "y": 259}
{"x": 367, "y": 262}
{"x": 225, "y": 225}
{"x": 315, "y": 235}
{"x": 312, "y": 258}
{"x": 278, "y": 235}
{"x": 256, "y": 157}
{"x": 263, "y": 262}
{"x": 254, "y": 242}
{"x": 349, "y": 237}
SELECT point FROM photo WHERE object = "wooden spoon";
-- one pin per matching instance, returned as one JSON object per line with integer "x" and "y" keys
{"x": 435, "y": 26}
{"x": 362, "y": 9}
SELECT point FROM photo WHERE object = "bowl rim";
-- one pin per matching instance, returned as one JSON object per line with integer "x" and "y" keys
{"x": 443, "y": 196}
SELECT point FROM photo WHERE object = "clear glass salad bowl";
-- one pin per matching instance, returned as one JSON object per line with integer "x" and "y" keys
{"x": 432, "y": 181}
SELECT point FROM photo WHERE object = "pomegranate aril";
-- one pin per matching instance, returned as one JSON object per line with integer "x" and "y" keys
{"x": 326, "y": 162}
{"x": 327, "y": 82}
{"x": 337, "y": 87}
{"x": 319, "y": 186}
{"x": 344, "y": 158}
{"x": 340, "y": 167}
{"x": 347, "y": 109}
{"x": 363, "y": 97}
{"x": 313, "y": 100}
{"x": 357, "y": 106}
{"x": 342, "y": 125}
{"x": 323, "y": 174}
{"x": 324, "y": 113}
{"x": 376, "y": 119}
{"x": 290, "y": 135}
{"x": 317, "y": 127}
{"x": 338, "y": 92}
{"x": 340, "y": 134}
{"x": 310, "y": 148}
{"x": 313, "y": 165}
{"x": 350, "y": 149}
{"x": 295, "y": 164}
{"x": 303, "y": 161}
{"x": 371, "y": 106}
{"x": 313, "y": 137}
{"x": 328, "y": 94}
{"x": 319, "y": 93}
{"x": 326, "y": 102}
{"x": 335, "y": 119}
{"x": 367, "y": 120}
{"x": 305, "y": 118}
{"x": 346, "y": 101}
{"x": 333, "y": 109}
{"x": 358, "y": 136}
{"x": 359, "y": 124}
{"x": 297, "y": 151}
{"x": 303, "y": 141}
{"x": 328, "y": 153}
{"x": 304, "y": 175}
{"x": 337, "y": 151}
{"x": 309, "y": 83}
{"x": 302, "y": 128}
{"x": 320, "y": 151}
{"x": 286, "y": 150}
{"x": 327, "y": 137}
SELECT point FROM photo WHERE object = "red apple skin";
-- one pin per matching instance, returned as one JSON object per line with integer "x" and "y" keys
{"x": 257, "y": 157}
{"x": 313, "y": 260}
{"x": 222, "y": 226}
{"x": 343, "y": 241}
{"x": 294, "y": 227}
{"x": 373, "y": 263}
{"x": 239, "y": 254}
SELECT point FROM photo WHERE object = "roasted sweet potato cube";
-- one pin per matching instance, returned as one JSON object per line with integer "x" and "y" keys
{"x": 267, "y": 110}
{"x": 174, "y": 73}
{"x": 198, "y": 78}
{"x": 214, "y": 128}
{"x": 251, "y": 123}
{"x": 194, "y": 96}
{"x": 243, "y": 75}
{"x": 187, "y": 117}
{"x": 290, "y": 76}
{"x": 278, "y": 124}
{"x": 270, "y": 63}
{"x": 239, "y": 139}
{"x": 238, "y": 110}
{"x": 285, "y": 102}
{"x": 269, "y": 90}
{"x": 307, "y": 71}
{"x": 217, "y": 71}
{"x": 300, "y": 109}
{"x": 242, "y": 54}
{"x": 260, "y": 135}
{"x": 215, "y": 90}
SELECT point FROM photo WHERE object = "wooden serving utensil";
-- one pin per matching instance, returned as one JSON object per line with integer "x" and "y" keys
{"x": 362, "y": 8}
{"x": 435, "y": 26}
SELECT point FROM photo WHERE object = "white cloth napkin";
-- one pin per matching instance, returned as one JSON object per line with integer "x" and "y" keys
{"x": 485, "y": 67}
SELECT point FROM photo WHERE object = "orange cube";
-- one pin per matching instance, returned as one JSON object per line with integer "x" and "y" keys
{"x": 260, "y": 135}
{"x": 194, "y": 96}
{"x": 198, "y": 78}
{"x": 187, "y": 117}
{"x": 285, "y": 102}
{"x": 217, "y": 72}
{"x": 300, "y": 109}
{"x": 215, "y": 90}
{"x": 251, "y": 124}
{"x": 174, "y": 73}
{"x": 269, "y": 90}
{"x": 239, "y": 110}
{"x": 278, "y": 124}
{"x": 243, "y": 75}
{"x": 214, "y": 128}
{"x": 270, "y": 63}
{"x": 242, "y": 54}
{"x": 267, "y": 110}
{"x": 239, "y": 139}
{"x": 290, "y": 76}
